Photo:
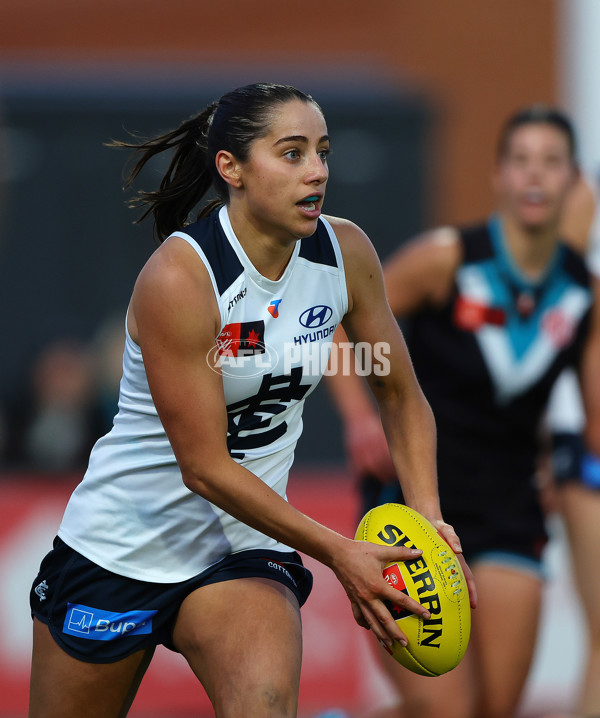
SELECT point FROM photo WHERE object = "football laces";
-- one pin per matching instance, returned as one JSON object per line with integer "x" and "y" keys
{"x": 452, "y": 569}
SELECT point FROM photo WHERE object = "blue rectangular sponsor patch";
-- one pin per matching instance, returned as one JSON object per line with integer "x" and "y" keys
{"x": 99, "y": 625}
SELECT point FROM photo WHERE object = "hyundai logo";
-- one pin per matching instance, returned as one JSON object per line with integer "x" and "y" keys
{"x": 315, "y": 316}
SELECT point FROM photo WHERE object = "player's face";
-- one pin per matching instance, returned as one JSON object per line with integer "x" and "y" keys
{"x": 535, "y": 175}
{"x": 286, "y": 173}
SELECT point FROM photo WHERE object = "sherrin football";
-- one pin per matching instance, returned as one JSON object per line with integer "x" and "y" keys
{"x": 435, "y": 579}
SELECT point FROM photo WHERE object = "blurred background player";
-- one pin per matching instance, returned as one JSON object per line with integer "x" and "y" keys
{"x": 573, "y": 474}
{"x": 494, "y": 313}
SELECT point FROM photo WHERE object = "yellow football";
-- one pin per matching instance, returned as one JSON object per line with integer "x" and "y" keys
{"x": 435, "y": 579}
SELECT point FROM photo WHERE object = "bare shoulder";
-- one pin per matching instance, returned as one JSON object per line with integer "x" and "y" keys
{"x": 422, "y": 270}
{"x": 361, "y": 262}
{"x": 441, "y": 245}
{"x": 354, "y": 242}
{"x": 346, "y": 230}
{"x": 172, "y": 285}
{"x": 173, "y": 262}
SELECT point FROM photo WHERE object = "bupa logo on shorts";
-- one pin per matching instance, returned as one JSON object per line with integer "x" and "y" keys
{"x": 316, "y": 316}
{"x": 98, "y": 625}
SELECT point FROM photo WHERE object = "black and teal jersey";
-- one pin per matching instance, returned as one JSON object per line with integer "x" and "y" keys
{"x": 488, "y": 358}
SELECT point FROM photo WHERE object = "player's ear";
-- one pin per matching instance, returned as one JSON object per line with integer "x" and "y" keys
{"x": 229, "y": 168}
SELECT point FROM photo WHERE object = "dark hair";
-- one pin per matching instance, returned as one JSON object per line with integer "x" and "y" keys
{"x": 232, "y": 124}
{"x": 537, "y": 114}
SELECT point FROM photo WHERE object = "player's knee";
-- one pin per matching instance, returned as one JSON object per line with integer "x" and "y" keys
{"x": 429, "y": 707}
{"x": 498, "y": 709}
{"x": 268, "y": 699}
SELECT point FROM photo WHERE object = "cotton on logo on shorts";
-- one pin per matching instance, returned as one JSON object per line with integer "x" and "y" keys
{"x": 282, "y": 569}
{"x": 99, "y": 625}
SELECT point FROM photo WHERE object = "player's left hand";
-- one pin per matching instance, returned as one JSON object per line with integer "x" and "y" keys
{"x": 449, "y": 534}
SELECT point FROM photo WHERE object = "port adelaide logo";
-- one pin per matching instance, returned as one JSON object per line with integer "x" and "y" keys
{"x": 313, "y": 319}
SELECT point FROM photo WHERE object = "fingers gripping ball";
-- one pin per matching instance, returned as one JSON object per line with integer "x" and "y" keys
{"x": 435, "y": 579}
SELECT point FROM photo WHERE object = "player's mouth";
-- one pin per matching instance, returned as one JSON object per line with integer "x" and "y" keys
{"x": 311, "y": 204}
{"x": 534, "y": 197}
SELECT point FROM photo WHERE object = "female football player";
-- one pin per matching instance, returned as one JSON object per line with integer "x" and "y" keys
{"x": 180, "y": 533}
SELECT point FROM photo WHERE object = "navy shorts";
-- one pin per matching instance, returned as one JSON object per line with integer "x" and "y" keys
{"x": 509, "y": 529}
{"x": 101, "y": 617}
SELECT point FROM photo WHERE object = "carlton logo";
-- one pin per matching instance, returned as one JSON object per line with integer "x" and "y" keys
{"x": 316, "y": 316}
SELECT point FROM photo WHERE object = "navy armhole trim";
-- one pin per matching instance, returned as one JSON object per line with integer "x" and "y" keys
{"x": 211, "y": 239}
{"x": 318, "y": 248}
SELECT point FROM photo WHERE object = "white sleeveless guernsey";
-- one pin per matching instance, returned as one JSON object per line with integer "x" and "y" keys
{"x": 132, "y": 513}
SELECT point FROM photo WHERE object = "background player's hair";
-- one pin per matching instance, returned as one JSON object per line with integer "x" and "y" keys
{"x": 537, "y": 114}
{"x": 232, "y": 124}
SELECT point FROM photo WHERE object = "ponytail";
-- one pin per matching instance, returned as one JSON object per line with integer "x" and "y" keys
{"x": 187, "y": 179}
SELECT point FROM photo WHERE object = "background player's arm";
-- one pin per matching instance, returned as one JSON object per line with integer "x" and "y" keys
{"x": 174, "y": 318}
{"x": 590, "y": 376}
{"x": 406, "y": 415}
{"x": 578, "y": 214}
{"x": 420, "y": 272}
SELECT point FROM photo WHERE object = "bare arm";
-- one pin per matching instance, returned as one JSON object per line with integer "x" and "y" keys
{"x": 174, "y": 318}
{"x": 420, "y": 272}
{"x": 405, "y": 413}
{"x": 578, "y": 214}
{"x": 590, "y": 376}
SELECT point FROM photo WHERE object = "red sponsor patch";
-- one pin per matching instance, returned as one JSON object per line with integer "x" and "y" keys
{"x": 471, "y": 315}
{"x": 242, "y": 339}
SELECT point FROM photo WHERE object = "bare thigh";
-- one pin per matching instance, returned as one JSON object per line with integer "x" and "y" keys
{"x": 505, "y": 626}
{"x": 64, "y": 687}
{"x": 581, "y": 511}
{"x": 489, "y": 681}
{"x": 243, "y": 640}
{"x": 450, "y": 695}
